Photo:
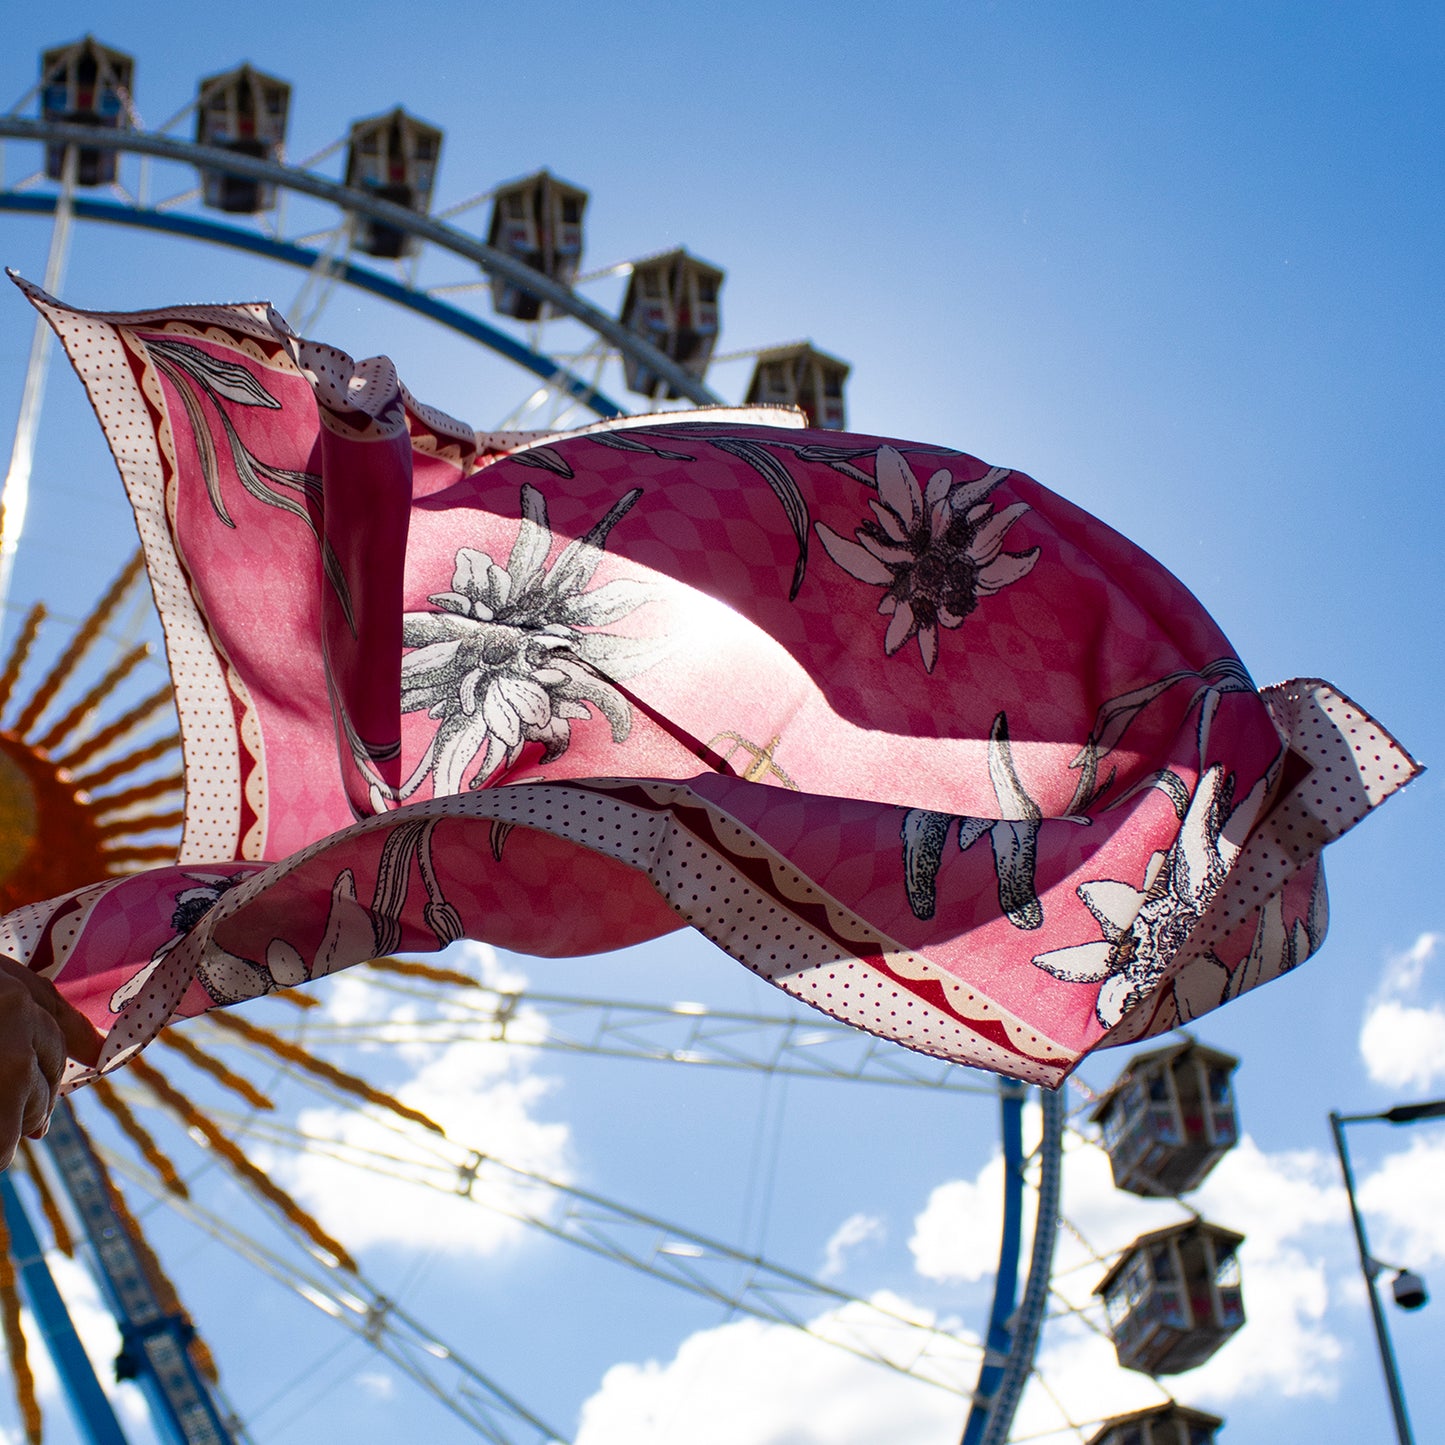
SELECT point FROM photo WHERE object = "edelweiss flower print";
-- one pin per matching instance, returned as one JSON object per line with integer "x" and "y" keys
{"x": 514, "y": 654}
{"x": 935, "y": 552}
{"x": 1145, "y": 928}
{"x": 902, "y": 732}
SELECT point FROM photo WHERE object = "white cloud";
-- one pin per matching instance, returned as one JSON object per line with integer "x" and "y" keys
{"x": 1403, "y": 1045}
{"x": 1406, "y": 971}
{"x": 857, "y": 1229}
{"x": 375, "y": 1385}
{"x": 1106, "y": 1217}
{"x": 1277, "y": 1201}
{"x": 1083, "y": 1377}
{"x": 491, "y": 1119}
{"x": 486, "y": 1098}
{"x": 747, "y": 1383}
{"x": 1273, "y": 1198}
{"x": 1286, "y": 1347}
{"x": 955, "y": 1238}
{"x": 1402, "y": 1038}
{"x": 1404, "y": 1202}
{"x": 750, "y": 1383}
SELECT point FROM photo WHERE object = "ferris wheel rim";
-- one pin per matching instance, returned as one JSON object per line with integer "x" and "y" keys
{"x": 352, "y": 200}
{"x": 363, "y": 278}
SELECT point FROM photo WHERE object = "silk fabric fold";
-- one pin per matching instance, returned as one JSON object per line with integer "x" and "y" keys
{"x": 908, "y": 735}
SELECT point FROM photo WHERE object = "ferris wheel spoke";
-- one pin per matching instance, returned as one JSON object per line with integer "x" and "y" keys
{"x": 15, "y": 495}
{"x": 677, "y": 1033}
{"x": 740, "y": 1281}
{"x": 478, "y": 198}
{"x": 180, "y": 198}
{"x": 322, "y": 279}
{"x": 359, "y": 1306}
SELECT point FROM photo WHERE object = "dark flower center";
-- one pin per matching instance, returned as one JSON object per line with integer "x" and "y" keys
{"x": 961, "y": 533}
{"x": 498, "y": 650}
{"x": 189, "y": 911}
{"x": 939, "y": 580}
{"x": 930, "y": 572}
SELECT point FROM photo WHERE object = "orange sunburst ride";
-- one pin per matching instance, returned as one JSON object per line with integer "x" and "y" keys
{"x": 59, "y": 828}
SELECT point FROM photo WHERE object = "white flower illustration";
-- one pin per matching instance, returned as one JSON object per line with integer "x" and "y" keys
{"x": 1276, "y": 949}
{"x": 511, "y": 657}
{"x": 1145, "y": 928}
{"x": 935, "y": 550}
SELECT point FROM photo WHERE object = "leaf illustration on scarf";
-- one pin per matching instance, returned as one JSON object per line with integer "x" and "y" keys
{"x": 350, "y": 931}
{"x": 1013, "y": 834}
{"x": 1114, "y": 718}
{"x": 220, "y": 378}
{"x": 776, "y": 475}
{"x": 547, "y": 458}
{"x": 392, "y": 876}
{"x": 833, "y": 455}
{"x": 205, "y": 447}
{"x": 626, "y": 441}
{"x": 194, "y": 371}
{"x": 355, "y": 930}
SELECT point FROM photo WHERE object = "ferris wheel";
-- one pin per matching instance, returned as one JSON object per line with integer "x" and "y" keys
{"x": 230, "y": 1124}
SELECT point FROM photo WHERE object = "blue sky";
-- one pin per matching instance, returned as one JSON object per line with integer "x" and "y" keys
{"x": 1178, "y": 262}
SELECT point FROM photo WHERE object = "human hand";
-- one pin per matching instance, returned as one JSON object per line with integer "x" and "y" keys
{"x": 39, "y": 1030}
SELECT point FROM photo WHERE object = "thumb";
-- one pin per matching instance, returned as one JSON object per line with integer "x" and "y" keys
{"x": 82, "y": 1040}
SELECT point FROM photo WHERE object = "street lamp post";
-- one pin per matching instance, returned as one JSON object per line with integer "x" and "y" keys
{"x": 1369, "y": 1265}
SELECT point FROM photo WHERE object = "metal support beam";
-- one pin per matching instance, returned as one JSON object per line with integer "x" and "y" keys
{"x": 91, "y": 1409}
{"x": 1005, "y": 1283}
{"x": 354, "y": 1303}
{"x": 15, "y": 498}
{"x": 155, "y": 1340}
{"x": 741, "y": 1281}
{"x": 677, "y": 1033}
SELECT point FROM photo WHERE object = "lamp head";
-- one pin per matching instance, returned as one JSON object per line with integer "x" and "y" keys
{"x": 1410, "y": 1113}
{"x": 1409, "y": 1290}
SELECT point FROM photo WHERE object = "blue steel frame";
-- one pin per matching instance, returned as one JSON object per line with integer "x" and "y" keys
{"x": 154, "y": 1340}
{"x": 239, "y": 238}
{"x": 1014, "y": 1326}
{"x": 1005, "y": 1287}
{"x": 350, "y": 200}
{"x": 92, "y": 1411}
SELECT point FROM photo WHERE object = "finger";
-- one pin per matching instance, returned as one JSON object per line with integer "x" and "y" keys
{"x": 48, "y": 1049}
{"x": 38, "y": 1104}
{"x": 47, "y": 1064}
{"x": 13, "y": 1103}
{"x": 83, "y": 1040}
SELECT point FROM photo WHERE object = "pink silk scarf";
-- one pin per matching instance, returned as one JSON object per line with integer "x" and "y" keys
{"x": 907, "y": 735}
